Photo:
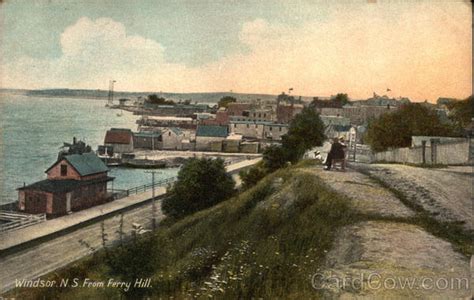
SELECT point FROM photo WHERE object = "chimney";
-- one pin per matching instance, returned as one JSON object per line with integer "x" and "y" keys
{"x": 74, "y": 140}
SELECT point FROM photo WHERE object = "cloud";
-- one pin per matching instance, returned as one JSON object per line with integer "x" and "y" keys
{"x": 94, "y": 51}
{"x": 421, "y": 51}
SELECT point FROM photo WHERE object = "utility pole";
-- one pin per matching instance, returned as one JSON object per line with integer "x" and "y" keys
{"x": 153, "y": 205}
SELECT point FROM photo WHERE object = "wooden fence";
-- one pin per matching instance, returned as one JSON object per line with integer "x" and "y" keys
{"x": 16, "y": 220}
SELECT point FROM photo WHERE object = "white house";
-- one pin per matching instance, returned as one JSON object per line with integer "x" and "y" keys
{"x": 172, "y": 138}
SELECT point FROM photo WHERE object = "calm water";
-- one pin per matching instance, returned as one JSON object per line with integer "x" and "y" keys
{"x": 33, "y": 129}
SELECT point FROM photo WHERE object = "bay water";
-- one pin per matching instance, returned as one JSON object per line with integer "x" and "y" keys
{"x": 33, "y": 129}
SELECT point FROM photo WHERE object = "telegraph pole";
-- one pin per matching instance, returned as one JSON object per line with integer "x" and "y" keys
{"x": 153, "y": 205}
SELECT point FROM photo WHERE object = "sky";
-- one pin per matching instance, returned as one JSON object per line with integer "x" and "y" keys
{"x": 417, "y": 49}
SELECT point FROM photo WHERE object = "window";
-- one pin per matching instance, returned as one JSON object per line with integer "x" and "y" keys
{"x": 247, "y": 125}
{"x": 280, "y": 128}
{"x": 271, "y": 128}
{"x": 235, "y": 125}
{"x": 63, "y": 170}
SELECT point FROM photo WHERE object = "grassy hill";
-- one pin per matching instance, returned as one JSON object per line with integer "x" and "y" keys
{"x": 266, "y": 242}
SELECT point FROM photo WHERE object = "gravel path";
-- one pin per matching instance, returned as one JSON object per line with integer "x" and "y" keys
{"x": 367, "y": 196}
{"x": 393, "y": 259}
{"x": 445, "y": 193}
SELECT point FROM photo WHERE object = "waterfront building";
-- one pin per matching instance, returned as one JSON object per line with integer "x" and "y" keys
{"x": 120, "y": 139}
{"x": 206, "y": 135}
{"x": 74, "y": 182}
{"x": 172, "y": 138}
{"x": 151, "y": 140}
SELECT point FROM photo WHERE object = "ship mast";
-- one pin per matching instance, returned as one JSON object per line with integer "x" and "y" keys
{"x": 110, "y": 101}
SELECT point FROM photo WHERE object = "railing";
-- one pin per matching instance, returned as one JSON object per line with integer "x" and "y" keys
{"x": 118, "y": 194}
{"x": 17, "y": 220}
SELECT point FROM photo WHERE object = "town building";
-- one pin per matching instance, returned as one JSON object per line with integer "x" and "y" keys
{"x": 360, "y": 115}
{"x": 248, "y": 129}
{"x": 221, "y": 118}
{"x": 274, "y": 131}
{"x": 206, "y": 135}
{"x": 167, "y": 121}
{"x": 286, "y": 112}
{"x": 172, "y": 138}
{"x": 175, "y": 110}
{"x": 238, "y": 109}
{"x": 74, "y": 182}
{"x": 151, "y": 140}
{"x": 336, "y": 126}
{"x": 120, "y": 139}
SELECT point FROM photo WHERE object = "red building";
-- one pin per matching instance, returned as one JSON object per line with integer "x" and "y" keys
{"x": 286, "y": 113}
{"x": 222, "y": 119}
{"x": 238, "y": 109}
{"x": 74, "y": 182}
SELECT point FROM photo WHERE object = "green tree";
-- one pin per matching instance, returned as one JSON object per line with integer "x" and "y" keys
{"x": 341, "y": 99}
{"x": 461, "y": 112}
{"x": 306, "y": 131}
{"x": 201, "y": 183}
{"x": 396, "y": 129}
{"x": 224, "y": 101}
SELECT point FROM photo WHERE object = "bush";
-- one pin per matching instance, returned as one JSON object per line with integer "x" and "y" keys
{"x": 396, "y": 129}
{"x": 253, "y": 175}
{"x": 201, "y": 183}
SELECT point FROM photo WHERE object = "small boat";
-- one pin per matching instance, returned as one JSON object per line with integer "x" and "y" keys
{"x": 144, "y": 163}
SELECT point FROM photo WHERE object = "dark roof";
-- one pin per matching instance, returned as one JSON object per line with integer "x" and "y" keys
{"x": 147, "y": 134}
{"x": 63, "y": 185}
{"x": 212, "y": 131}
{"x": 85, "y": 164}
{"x": 176, "y": 130}
{"x": 118, "y": 136}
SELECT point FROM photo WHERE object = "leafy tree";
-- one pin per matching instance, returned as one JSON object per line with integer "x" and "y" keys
{"x": 224, "y": 101}
{"x": 341, "y": 99}
{"x": 275, "y": 157}
{"x": 461, "y": 112}
{"x": 396, "y": 129}
{"x": 305, "y": 132}
{"x": 154, "y": 99}
{"x": 201, "y": 183}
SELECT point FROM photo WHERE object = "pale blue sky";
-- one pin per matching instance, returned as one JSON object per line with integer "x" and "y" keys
{"x": 419, "y": 49}
{"x": 193, "y": 32}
